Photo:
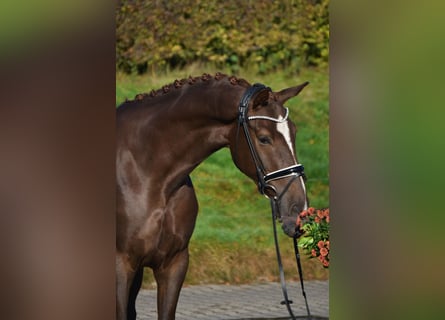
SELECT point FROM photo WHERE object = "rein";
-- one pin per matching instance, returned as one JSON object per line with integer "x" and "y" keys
{"x": 286, "y": 300}
{"x": 264, "y": 178}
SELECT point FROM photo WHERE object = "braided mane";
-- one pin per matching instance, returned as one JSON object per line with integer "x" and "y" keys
{"x": 177, "y": 84}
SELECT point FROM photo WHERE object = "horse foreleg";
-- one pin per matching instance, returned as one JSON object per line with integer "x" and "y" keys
{"x": 124, "y": 278}
{"x": 170, "y": 278}
{"x": 134, "y": 290}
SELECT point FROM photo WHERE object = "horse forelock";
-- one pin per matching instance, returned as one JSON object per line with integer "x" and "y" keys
{"x": 190, "y": 81}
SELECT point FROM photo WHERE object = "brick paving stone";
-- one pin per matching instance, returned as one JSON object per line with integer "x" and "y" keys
{"x": 228, "y": 302}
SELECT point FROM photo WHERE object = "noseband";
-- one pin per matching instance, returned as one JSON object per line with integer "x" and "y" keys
{"x": 263, "y": 177}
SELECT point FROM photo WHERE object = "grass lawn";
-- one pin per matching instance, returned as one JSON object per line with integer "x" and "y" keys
{"x": 233, "y": 239}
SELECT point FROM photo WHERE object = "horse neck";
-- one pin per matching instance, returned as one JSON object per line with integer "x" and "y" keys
{"x": 204, "y": 122}
{"x": 180, "y": 129}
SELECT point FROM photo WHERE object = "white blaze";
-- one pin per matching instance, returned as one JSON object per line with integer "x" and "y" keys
{"x": 304, "y": 190}
{"x": 283, "y": 128}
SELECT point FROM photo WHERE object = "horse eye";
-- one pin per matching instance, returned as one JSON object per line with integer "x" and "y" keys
{"x": 264, "y": 140}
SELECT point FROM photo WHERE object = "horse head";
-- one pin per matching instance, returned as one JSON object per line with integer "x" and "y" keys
{"x": 263, "y": 148}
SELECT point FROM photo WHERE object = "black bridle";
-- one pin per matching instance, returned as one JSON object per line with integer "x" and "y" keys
{"x": 264, "y": 179}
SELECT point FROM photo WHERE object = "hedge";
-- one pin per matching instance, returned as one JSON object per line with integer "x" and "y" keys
{"x": 152, "y": 35}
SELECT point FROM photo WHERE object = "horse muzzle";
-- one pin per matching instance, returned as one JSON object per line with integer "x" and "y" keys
{"x": 289, "y": 225}
{"x": 289, "y": 221}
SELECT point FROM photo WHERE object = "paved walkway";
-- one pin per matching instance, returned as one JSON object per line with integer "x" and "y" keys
{"x": 259, "y": 301}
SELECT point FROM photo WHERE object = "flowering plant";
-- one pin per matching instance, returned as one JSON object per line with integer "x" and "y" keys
{"x": 314, "y": 226}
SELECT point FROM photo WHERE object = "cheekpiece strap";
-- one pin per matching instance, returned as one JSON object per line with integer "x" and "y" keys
{"x": 244, "y": 103}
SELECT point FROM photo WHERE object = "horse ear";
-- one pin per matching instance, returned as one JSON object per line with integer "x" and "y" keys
{"x": 288, "y": 93}
{"x": 261, "y": 98}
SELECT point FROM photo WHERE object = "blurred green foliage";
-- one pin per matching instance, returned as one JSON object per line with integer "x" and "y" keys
{"x": 266, "y": 35}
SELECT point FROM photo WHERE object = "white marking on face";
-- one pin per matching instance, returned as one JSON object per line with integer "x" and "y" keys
{"x": 304, "y": 190}
{"x": 283, "y": 128}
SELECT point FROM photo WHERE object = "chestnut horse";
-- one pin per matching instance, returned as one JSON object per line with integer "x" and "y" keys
{"x": 161, "y": 138}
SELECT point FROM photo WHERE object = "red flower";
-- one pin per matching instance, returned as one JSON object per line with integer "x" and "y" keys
{"x": 315, "y": 239}
{"x": 324, "y": 252}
